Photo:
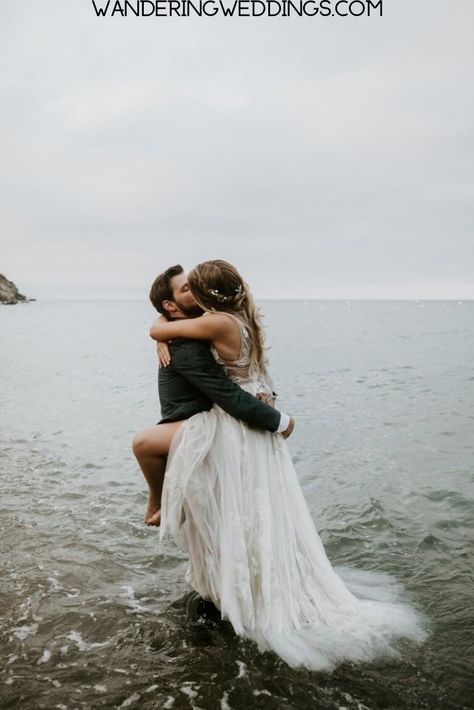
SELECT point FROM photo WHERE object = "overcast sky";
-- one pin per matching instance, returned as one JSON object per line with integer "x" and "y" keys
{"x": 325, "y": 157}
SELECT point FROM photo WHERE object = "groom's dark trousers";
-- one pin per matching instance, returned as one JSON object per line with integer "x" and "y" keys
{"x": 194, "y": 381}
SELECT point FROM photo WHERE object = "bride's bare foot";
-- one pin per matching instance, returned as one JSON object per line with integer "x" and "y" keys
{"x": 153, "y": 518}
{"x": 153, "y": 511}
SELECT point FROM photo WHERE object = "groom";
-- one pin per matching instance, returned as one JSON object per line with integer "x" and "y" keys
{"x": 191, "y": 383}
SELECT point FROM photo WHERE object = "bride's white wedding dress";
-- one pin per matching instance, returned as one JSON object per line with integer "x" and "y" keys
{"x": 232, "y": 501}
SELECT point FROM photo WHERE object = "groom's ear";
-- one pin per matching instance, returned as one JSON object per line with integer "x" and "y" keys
{"x": 170, "y": 307}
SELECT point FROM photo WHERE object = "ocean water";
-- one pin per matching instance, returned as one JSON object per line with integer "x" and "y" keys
{"x": 94, "y": 610}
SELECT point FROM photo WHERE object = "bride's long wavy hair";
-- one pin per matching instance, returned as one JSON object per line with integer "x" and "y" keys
{"x": 217, "y": 286}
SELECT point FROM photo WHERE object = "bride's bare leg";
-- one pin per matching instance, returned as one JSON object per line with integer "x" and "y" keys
{"x": 151, "y": 447}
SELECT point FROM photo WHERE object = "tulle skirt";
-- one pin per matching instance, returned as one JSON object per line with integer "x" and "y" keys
{"x": 233, "y": 503}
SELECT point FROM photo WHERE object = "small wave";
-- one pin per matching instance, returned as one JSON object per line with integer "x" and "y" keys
{"x": 45, "y": 657}
{"x": 76, "y": 637}
{"x": 430, "y": 541}
{"x": 23, "y": 632}
{"x": 131, "y": 700}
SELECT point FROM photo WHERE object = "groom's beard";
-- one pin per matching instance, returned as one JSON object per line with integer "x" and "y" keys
{"x": 190, "y": 311}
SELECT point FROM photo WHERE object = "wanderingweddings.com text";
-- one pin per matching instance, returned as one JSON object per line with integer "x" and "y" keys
{"x": 238, "y": 8}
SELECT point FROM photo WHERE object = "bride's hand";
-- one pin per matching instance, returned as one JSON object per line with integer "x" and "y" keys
{"x": 163, "y": 351}
{"x": 267, "y": 398}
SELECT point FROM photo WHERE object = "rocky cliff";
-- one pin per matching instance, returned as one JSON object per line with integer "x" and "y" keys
{"x": 9, "y": 293}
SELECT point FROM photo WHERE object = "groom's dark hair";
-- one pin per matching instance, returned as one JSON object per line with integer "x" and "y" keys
{"x": 161, "y": 288}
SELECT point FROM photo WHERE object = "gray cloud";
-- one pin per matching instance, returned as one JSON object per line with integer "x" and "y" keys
{"x": 324, "y": 157}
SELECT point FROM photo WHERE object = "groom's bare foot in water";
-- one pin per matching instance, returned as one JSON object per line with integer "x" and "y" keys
{"x": 153, "y": 511}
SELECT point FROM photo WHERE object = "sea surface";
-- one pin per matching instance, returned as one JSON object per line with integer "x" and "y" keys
{"x": 94, "y": 610}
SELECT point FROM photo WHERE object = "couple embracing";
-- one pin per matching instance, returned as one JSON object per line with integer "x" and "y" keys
{"x": 222, "y": 483}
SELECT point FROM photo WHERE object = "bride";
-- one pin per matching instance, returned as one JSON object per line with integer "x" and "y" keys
{"x": 232, "y": 501}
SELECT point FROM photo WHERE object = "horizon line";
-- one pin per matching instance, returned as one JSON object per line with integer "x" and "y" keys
{"x": 266, "y": 298}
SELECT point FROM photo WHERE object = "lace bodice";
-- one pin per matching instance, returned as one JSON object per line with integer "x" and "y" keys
{"x": 240, "y": 370}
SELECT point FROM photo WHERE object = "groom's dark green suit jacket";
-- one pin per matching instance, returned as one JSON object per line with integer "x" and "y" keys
{"x": 194, "y": 381}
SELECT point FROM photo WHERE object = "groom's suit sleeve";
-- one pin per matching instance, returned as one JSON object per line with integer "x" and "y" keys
{"x": 194, "y": 361}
